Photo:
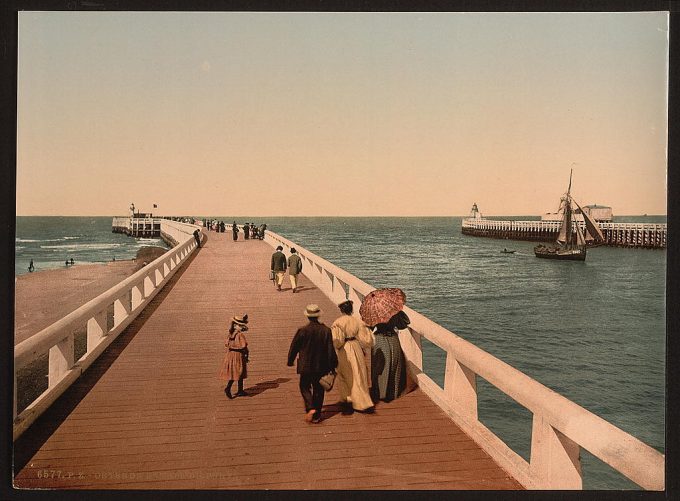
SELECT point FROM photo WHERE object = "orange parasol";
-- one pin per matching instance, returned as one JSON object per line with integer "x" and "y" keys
{"x": 381, "y": 304}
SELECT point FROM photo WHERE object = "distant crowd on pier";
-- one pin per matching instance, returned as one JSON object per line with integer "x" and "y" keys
{"x": 250, "y": 230}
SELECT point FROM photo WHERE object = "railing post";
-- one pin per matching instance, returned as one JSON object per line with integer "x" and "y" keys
{"x": 354, "y": 296}
{"x": 339, "y": 293}
{"x": 158, "y": 275}
{"x": 149, "y": 286}
{"x": 121, "y": 308}
{"x": 555, "y": 458}
{"x": 96, "y": 329}
{"x": 411, "y": 345}
{"x": 326, "y": 282}
{"x": 460, "y": 385}
{"x": 60, "y": 360}
{"x": 137, "y": 295}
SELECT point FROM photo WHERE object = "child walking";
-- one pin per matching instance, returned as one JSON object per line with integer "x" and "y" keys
{"x": 234, "y": 365}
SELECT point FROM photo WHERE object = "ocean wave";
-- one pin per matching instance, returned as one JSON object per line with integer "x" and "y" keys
{"x": 36, "y": 240}
{"x": 75, "y": 247}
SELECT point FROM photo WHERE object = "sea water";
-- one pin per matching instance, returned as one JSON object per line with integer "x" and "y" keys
{"x": 51, "y": 241}
{"x": 593, "y": 331}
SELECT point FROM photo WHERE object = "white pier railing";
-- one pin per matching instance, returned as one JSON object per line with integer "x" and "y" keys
{"x": 128, "y": 298}
{"x": 560, "y": 427}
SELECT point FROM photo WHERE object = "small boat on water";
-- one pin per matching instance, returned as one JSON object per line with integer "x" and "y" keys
{"x": 571, "y": 239}
{"x": 506, "y": 251}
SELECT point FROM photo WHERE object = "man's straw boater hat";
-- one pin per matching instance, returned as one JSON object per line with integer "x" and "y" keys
{"x": 312, "y": 310}
{"x": 240, "y": 320}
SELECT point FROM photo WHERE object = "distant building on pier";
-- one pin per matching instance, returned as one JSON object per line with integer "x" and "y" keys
{"x": 600, "y": 213}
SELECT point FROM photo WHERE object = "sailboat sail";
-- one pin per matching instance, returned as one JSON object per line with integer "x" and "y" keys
{"x": 562, "y": 237}
{"x": 593, "y": 231}
{"x": 579, "y": 236}
{"x": 565, "y": 234}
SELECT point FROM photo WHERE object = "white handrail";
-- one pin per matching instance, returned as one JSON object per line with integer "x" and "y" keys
{"x": 128, "y": 298}
{"x": 560, "y": 427}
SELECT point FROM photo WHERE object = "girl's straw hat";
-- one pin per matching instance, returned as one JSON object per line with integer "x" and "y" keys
{"x": 240, "y": 320}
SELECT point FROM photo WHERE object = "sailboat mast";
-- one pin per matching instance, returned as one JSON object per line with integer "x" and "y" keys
{"x": 571, "y": 171}
{"x": 568, "y": 213}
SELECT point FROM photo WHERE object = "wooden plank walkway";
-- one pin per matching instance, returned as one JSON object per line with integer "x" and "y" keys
{"x": 152, "y": 414}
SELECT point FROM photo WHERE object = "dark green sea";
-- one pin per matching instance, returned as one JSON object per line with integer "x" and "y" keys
{"x": 593, "y": 331}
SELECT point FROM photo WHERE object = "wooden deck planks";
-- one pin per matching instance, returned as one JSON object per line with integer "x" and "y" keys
{"x": 151, "y": 412}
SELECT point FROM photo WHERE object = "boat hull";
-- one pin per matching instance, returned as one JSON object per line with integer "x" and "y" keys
{"x": 560, "y": 254}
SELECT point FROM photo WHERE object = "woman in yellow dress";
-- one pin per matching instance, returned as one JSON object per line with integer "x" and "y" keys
{"x": 350, "y": 336}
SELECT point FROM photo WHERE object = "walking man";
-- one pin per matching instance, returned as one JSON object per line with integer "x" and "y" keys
{"x": 234, "y": 231}
{"x": 313, "y": 346}
{"x": 278, "y": 266}
{"x": 294, "y": 268}
{"x": 245, "y": 231}
{"x": 31, "y": 267}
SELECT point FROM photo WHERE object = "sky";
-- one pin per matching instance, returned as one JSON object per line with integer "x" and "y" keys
{"x": 340, "y": 114}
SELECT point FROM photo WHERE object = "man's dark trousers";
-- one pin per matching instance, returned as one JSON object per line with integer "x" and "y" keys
{"x": 312, "y": 392}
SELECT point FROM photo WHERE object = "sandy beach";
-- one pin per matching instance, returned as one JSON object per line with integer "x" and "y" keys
{"x": 43, "y": 297}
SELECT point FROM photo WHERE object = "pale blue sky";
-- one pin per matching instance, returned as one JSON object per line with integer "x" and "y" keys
{"x": 340, "y": 114}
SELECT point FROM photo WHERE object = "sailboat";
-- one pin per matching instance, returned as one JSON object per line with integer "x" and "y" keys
{"x": 571, "y": 239}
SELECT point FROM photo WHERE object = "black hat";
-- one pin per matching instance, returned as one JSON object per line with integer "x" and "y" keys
{"x": 279, "y": 248}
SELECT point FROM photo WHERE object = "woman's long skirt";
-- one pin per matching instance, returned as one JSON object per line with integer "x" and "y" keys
{"x": 353, "y": 376}
{"x": 388, "y": 368}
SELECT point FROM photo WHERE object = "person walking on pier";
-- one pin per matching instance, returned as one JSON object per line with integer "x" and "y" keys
{"x": 197, "y": 236}
{"x": 234, "y": 231}
{"x": 313, "y": 347}
{"x": 234, "y": 366}
{"x": 246, "y": 233}
{"x": 31, "y": 267}
{"x": 278, "y": 266}
{"x": 350, "y": 337}
{"x": 294, "y": 268}
{"x": 388, "y": 366}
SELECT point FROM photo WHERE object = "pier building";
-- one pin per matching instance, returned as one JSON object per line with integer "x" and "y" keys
{"x": 644, "y": 235}
{"x": 142, "y": 408}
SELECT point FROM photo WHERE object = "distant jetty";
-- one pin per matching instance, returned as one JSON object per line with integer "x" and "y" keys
{"x": 643, "y": 235}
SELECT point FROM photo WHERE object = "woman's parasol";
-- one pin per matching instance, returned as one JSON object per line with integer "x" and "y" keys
{"x": 381, "y": 304}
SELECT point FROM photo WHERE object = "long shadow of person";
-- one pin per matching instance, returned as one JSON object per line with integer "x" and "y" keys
{"x": 266, "y": 385}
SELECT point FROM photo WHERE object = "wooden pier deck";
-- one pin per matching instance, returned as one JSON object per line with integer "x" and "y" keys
{"x": 151, "y": 413}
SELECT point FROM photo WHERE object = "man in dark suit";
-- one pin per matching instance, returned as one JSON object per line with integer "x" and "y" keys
{"x": 313, "y": 345}
{"x": 278, "y": 266}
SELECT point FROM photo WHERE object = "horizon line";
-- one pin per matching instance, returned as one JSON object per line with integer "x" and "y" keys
{"x": 317, "y": 216}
